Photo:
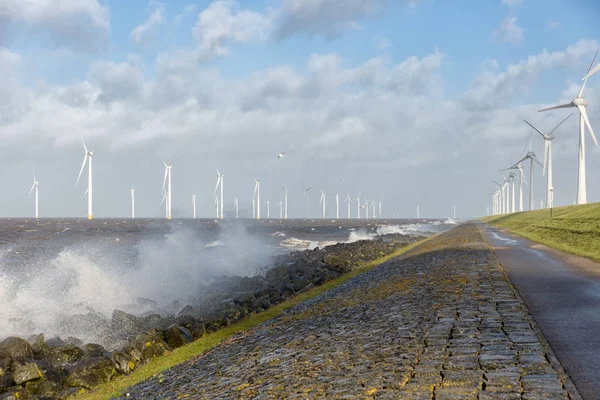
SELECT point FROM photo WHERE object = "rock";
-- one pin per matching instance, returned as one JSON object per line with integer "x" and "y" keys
{"x": 26, "y": 373}
{"x": 74, "y": 341}
{"x": 125, "y": 363}
{"x": 147, "y": 346}
{"x": 55, "y": 342}
{"x": 187, "y": 321}
{"x": 43, "y": 389}
{"x": 64, "y": 355}
{"x": 95, "y": 350}
{"x": 124, "y": 324}
{"x": 177, "y": 336}
{"x": 90, "y": 373}
{"x": 187, "y": 310}
{"x": 17, "y": 348}
{"x": 17, "y": 394}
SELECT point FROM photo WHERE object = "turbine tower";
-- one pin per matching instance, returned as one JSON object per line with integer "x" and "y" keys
{"x": 132, "y": 203}
{"x": 167, "y": 182}
{"x": 374, "y": 215}
{"x": 322, "y": 201}
{"x": 358, "y": 207}
{"x": 87, "y": 158}
{"x": 257, "y": 197}
{"x": 532, "y": 158}
{"x": 35, "y": 185}
{"x": 581, "y": 103}
{"x": 418, "y": 212}
{"x": 337, "y": 206}
{"x": 348, "y": 200}
{"x": 306, "y": 197}
{"x": 280, "y": 210}
{"x": 236, "y": 204}
{"x": 220, "y": 184}
{"x": 194, "y": 206}
{"x": 548, "y": 137}
{"x": 366, "y": 206}
{"x": 379, "y": 210}
{"x": 268, "y": 209}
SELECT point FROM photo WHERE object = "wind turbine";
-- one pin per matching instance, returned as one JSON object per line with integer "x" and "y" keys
{"x": 548, "y": 137}
{"x": 87, "y": 157}
{"x": 337, "y": 206}
{"x": 581, "y": 103}
{"x": 167, "y": 182}
{"x": 348, "y": 200}
{"x": 322, "y": 201}
{"x": 166, "y": 205}
{"x": 373, "y": 208}
{"x": 216, "y": 204}
{"x": 418, "y": 212}
{"x": 35, "y": 185}
{"x": 285, "y": 200}
{"x": 532, "y": 158}
{"x": 366, "y": 206}
{"x": 257, "y": 196}
{"x": 358, "y": 207}
{"x": 236, "y": 204}
{"x": 454, "y": 213}
{"x": 280, "y": 210}
{"x": 306, "y": 197}
{"x": 194, "y": 206}
{"x": 505, "y": 194}
{"x": 132, "y": 203}
{"x": 519, "y": 167}
{"x": 220, "y": 183}
{"x": 268, "y": 209}
{"x": 379, "y": 210}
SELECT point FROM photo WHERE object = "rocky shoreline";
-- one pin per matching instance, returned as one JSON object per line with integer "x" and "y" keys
{"x": 57, "y": 368}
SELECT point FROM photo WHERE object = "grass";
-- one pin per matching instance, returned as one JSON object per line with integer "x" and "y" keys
{"x": 117, "y": 386}
{"x": 573, "y": 229}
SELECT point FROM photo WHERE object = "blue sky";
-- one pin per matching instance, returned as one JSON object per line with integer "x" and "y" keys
{"x": 368, "y": 87}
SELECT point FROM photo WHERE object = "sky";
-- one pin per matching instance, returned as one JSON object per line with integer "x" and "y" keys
{"x": 407, "y": 102}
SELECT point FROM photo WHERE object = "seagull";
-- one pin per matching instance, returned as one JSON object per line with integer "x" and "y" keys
{"x": 280, "y": 155}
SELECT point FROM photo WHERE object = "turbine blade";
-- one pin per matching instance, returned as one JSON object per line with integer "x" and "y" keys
{"x": 583, "y": 112}
{"x": 81, "y": 170}
{"x": 531, "y": 125}
{"x": 561, "y": 122}
{"x": 592, "y": 72}
{"x": 568, "y": 105}
{"x": 165, "y": 178}
{"x": 162, "y": 161}
{"x": 217, "y": 186}
{"x": 588, "y": 75}
{"x": 536, "y": 160}
{"x": 31, "y": 190}
{"x": 163, "y": 198}
{"x": 84, "y": 146}
{"x": 86, "y": 192}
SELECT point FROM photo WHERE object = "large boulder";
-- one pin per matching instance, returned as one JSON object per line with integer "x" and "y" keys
{"x": 177, "y": 336}
{"x": 147, "y": 346}
{"x": 95, "y": 350}
{"x": 123, "y": 362}
{"x": 125, "y": 325}
{"x": 65, "y": 355}
{"x": 17, "y": 348}
{"x": 27, "y": 372}
{"x": 90, "y": 373}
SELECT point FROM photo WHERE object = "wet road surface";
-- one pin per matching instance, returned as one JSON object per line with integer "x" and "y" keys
{"x": 562, "y": 293}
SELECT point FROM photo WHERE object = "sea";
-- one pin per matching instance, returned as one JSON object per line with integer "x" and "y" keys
{"x": 51, "y": 269}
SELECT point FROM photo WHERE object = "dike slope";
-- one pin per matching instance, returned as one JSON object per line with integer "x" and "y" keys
{"x": 574, "y": 229}
{"x": 441, "y": 321}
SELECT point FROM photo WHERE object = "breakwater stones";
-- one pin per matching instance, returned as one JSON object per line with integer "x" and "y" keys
{"x": 56, "y": 368}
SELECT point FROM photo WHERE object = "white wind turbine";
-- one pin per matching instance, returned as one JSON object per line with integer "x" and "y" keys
{"x": 236, "y": 205}
{"x": 358, "y": 207}
{"x": 418, "y": 212}
{"x": 87, "y": 158}
{"x": 216, "y": 204}
{"x": 268, "y": 209}
{"x": 374, "y": 215}
{"x": 322, "y": 201}
{"x": 285, "y": 198}
{"x": 366, "y": 206}
{"x": 581, "y": 103}
{"x": 532, "y": 158}
{"x": 167, "y": 182}
{"x": 379, "y": 210}
{"x": 35, "y": 185}
{"x": 337, "y": 206}
{"x": 280, "y": 209}
{"x": 257, "y": 197}
{"x": 500, "y": 189}
{"x": 548, "y": 137}
{"x": 194, "y": 206}
{"x": 348, "y": 200}
{"x": 306, "y": 197}
{"x": 220, "y": 184}
{"x": 132, "y": 203}
{"x": 505, "y": 194}
{"x": 522, "y": 179}
{"x": 454, "y": 213}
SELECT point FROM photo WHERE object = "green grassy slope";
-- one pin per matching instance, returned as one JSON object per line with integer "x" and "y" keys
{"x": 574, "y": 229}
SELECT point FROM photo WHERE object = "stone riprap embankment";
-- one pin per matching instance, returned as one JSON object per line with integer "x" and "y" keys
{"x": 53, "y": 369}
{"x": 440, "y": 322}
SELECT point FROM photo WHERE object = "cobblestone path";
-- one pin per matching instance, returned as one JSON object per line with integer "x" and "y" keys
{"x": 440, "y": 322}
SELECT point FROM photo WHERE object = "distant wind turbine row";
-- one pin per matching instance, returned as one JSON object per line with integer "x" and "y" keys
{"x": 501, "y": 195}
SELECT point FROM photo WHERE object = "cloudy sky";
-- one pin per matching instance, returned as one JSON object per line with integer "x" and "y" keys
{"x": 407, "y": 102}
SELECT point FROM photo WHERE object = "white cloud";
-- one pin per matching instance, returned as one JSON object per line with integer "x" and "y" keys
{"x": 553, "y": 24}
{"x": 72, "y": 21}
{"x": 509, "y": 31}
{"x": 223, "y": 23}
{"x": 512, "y": 3}
{"x": 141, "y": 32}
{"x": 322, "y": 16}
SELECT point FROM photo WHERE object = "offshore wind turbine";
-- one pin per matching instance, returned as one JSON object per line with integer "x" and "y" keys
{"x": 358, "y": 207}
{"x": 581, "y": 103}
{"x": 216, "y": 204}
{"x": 373, "y": 208}
{"x": 35, "y": 185}
{"x": 220, "y": 184}
{"x": 306, "y": 197}
{"x": 379, "y": 210}
{"x": 280, "y": 210}
{"x": 268, "y": 209}
{"x": 257, "y": 196}
{"x": 548, "y": 137}
{"x": 87, "y": 158}
{"x": 418, "y": 212}
{"x": 236, "y": 204}
{"x": 366, "y": 206}
{"x": 337, "y": 206}
{"x": 167, "y": 182}
{"x": 285, "y": 197}
{"x": 132, "y": 203}
{"x": 194, "y": 206}
{"x": 348, "y": 200}
{"x": 322, "y": 201}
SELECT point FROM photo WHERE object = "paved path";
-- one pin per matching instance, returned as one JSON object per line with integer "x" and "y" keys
{"x": 562, "y": 293}
{"x": 441, "y": 322}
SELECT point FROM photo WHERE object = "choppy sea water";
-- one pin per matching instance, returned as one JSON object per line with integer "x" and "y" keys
{"x": 54, "y": 268}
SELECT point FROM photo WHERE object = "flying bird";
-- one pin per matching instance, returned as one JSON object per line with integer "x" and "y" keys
{"x": 280, "y": 155}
